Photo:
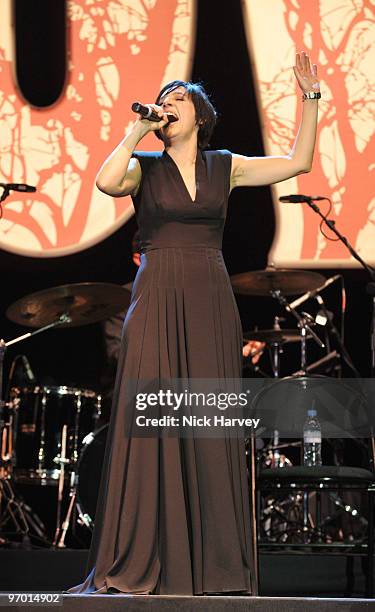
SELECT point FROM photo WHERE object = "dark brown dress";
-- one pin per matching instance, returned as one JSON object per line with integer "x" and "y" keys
{"x": 173, "y": 514}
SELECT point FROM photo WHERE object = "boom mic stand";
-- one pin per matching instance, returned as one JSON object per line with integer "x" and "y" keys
{"x": 370, "y": 288}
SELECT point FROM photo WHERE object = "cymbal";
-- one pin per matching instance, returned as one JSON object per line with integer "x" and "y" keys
{"x": 288, "y": 281}
{"x": 83, "y": 303}
{"x": 271, "y": 336}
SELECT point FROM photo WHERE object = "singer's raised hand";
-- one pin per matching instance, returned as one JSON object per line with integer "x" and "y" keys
{"x": 252, "y": 171}
{"x": 306, "y": 73}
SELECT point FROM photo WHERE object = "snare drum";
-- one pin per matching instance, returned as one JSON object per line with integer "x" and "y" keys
{"x": 39, "y": 416}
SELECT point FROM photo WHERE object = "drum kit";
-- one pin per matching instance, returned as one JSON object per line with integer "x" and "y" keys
{"x": 282, "y": 517}
{"x": 46, "y": 429}
{"x": 279, "y": 284}
{"x": 52, "y": 436}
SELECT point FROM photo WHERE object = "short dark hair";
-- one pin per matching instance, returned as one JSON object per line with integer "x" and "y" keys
{"x": 204, "y": 111}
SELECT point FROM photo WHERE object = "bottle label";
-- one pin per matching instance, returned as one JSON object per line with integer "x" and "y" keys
{"x": 312, "y": 439}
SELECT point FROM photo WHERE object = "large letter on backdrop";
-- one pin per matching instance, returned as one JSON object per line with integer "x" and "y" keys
{"x": 340, "y": 37}
{"x": 119, "y": 51}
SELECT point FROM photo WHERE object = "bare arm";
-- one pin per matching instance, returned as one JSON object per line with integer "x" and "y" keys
{"x": 248, "y": 171}
{"x": 120, "y": 174}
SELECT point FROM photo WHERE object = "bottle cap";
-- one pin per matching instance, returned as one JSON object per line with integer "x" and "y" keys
{"x": 311, "y": 412}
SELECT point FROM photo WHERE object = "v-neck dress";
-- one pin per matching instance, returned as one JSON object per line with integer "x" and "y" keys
{"x": 173, "y": 514}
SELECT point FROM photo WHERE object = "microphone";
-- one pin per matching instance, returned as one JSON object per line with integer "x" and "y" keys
{"x": 28, "y": 370}
{"x": 295, "y": 199}
{"x": 18, "y": 187}
{"x": 313, "y": 293}
{"x": 147, "y": 112}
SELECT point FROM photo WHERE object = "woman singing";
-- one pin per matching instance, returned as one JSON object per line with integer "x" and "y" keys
{"x": 173, "y": 514}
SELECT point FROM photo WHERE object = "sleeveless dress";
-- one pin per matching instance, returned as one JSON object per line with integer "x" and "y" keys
{"x": 173, "y": 514}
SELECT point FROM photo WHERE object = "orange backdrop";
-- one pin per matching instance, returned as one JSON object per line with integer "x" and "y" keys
{"x": 339, "y": 35}
{"x": 118, "y": 51}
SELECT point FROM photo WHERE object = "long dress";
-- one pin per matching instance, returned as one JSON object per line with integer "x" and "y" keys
{"x": 173, "y": 514}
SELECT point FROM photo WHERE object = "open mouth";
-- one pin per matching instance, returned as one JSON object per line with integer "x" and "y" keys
{"x": 172, "y": 117}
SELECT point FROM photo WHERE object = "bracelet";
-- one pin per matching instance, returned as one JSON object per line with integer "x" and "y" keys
{"x": 311, "y": 95}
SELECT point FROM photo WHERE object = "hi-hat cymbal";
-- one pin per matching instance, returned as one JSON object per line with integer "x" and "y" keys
{"x": 289, "y": 282}
{"x": 272, "y": 336}
{"x": 81, "y": 303}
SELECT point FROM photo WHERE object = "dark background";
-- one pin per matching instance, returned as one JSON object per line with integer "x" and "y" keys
{"x": 75, "y": 356}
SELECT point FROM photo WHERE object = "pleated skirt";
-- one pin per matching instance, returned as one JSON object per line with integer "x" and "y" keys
{"x": 173, "y": 514}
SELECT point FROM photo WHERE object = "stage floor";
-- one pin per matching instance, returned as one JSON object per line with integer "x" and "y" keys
{"x": 281, "y": 576}
{"x": 155, "y": 603}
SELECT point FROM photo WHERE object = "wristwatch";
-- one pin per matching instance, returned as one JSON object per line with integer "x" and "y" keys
{"x": 311, "y": 95}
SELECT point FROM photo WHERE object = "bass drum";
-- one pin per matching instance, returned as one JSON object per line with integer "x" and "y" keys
{"x": 89, "y": 472}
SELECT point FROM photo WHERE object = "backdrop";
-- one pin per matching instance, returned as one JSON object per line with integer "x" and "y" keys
{"x": 122, "y": 50}
{"x": 340, "y": 37}
{"x": 111, "y": 47}
{"x": 221, "y": 61}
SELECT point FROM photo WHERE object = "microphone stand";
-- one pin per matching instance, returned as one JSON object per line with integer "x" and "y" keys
{"x": 370, "y": 288}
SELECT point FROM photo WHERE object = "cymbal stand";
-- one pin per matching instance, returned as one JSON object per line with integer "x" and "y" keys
{"x": 276, "y": 349}
{"x": 62, "y": 320}
{"x": 62, "y": 530}
{"x": 61, "y": 460}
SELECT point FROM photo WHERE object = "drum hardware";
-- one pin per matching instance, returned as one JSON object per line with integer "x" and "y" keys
{"x": 280, "y": 519}
{"x": 306, "y": 531}
{"x": 272, "y": 283}
{"x": 62, "y": 461}
{"x": 50, "y": 458}
{"x": 333, "y": 357}
{"x": 327, "y": 320}
{"x": 304, "y": 325}
{"x": 63, "y": 306}
{"x": 24, "y": 521}
{"x": 265, "y": 282}
{"x": 39, "y": 414}
{"x": 66, "y": 522}
{"x": 271, "y": 457}
{"x": 270, "y": 336}
{"x": 286, "y": 519}
{"x": 6, "y": 448}
{"x": 61, "y": 530}
{"x": 343, "y": 508}
{"x": 275, "y": 338}
{"x": 68, "y": 306}
{"x": 88, "y": 479}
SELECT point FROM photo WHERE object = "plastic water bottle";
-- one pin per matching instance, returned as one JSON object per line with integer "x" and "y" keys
{"x": 312, "y": 440}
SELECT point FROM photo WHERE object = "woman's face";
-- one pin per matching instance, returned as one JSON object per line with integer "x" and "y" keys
{"x": 179, "y": 103}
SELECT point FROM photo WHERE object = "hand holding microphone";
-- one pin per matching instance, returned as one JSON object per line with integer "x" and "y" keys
{"x": 153, "y": 115}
